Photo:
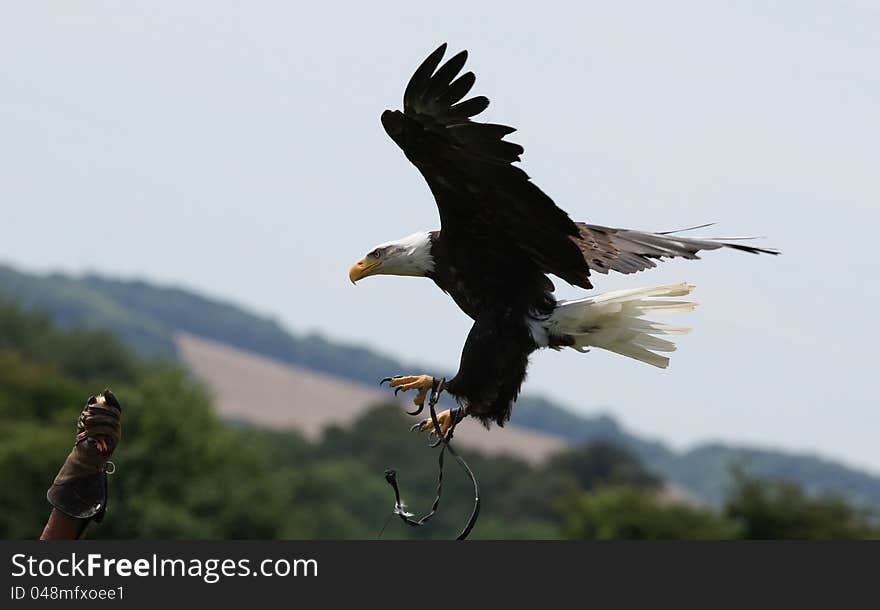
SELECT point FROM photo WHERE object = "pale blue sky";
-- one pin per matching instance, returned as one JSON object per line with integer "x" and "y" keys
{"x": 236, "y": 148}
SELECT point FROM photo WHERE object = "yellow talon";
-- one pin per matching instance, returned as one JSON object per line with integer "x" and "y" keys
{"x": 422, "y": 383}
{"x": 444, "y": 420}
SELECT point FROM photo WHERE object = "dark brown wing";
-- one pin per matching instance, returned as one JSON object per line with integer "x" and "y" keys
{"x": 625, "y": 251}
{"x": 469, "y": 168}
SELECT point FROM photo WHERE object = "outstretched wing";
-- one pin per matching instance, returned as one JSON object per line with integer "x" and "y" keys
{"x": 626, "y": 251}
{"x": 469, "y": 168}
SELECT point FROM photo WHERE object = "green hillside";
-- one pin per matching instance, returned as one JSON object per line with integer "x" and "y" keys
{"x": 183, "y": 473}
{"x": 145, "y": 317}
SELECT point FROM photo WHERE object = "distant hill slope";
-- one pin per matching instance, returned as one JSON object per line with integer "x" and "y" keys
{"x": 148, "y": 317}
{"x": 273, "y": 394}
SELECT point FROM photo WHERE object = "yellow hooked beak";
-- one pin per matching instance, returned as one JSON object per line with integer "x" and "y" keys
{"x": 362, "y": 269}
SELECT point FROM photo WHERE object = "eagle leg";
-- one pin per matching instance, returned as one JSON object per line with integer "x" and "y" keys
{"x": 422, "y": 383}
{"x": 446, "y": 420}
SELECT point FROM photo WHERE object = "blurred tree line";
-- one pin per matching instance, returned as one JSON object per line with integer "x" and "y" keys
{"x": 184, "y": 473}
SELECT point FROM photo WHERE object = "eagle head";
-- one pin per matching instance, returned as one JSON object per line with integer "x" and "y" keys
{"x": 408, "y": 256}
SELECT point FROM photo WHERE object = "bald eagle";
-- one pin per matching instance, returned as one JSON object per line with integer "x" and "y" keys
{"x": 500, "y": 238}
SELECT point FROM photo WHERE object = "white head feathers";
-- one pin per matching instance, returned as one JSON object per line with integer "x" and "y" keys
{"x": 410, "y": 255}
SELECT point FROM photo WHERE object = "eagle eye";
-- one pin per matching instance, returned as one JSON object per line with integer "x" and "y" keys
{"x": 374, "y": 253}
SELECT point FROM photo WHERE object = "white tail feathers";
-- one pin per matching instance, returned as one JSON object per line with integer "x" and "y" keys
{"x": 613, "y": 321}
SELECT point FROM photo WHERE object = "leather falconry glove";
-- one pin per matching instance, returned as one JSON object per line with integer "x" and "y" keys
{"x": 80, "y": 488}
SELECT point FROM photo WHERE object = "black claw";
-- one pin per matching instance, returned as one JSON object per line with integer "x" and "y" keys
{"x": 397, "y": 389}
{"x": 385, "y": 379}
{"x": 417, "y": 411}
{"x": 415, "y": 427}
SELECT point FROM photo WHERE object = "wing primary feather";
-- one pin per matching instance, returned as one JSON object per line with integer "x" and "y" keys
{"x": 469, "y": 108}
{"x": 457, "y": 90}
{"x": 422, "y": 76}
{"x": 627, "y": 251}
{"x": 443, "y": 77}
{"x": 694, "y": 228}
{"x": 469, "y": 130}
